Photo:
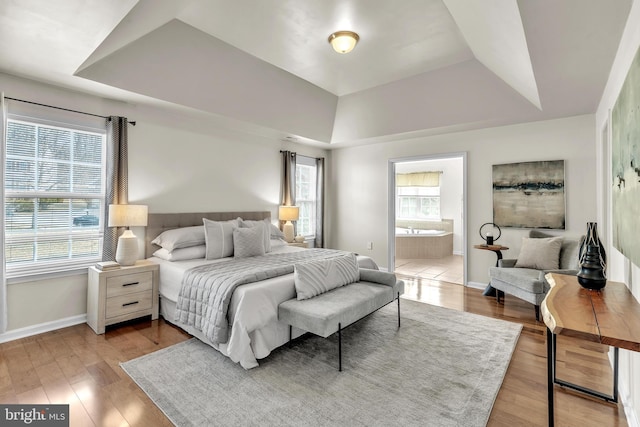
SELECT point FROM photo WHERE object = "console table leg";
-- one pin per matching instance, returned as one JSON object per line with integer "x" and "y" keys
{"x": 550, "y": 374}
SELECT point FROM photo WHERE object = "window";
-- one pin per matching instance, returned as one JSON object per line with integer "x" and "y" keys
{"x": 54, "y": 196}
{"x": 418, "y": 203}
{"x": 306, "y": 177}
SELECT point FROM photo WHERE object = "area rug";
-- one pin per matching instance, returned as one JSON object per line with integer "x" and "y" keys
{"x": 441, "y": 368}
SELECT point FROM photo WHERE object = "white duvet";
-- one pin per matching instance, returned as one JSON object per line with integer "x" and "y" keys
{"x": 253, "y": 311}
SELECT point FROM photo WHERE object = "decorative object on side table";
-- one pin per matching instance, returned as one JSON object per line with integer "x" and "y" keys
{"x": 127, "y": 216}
{"x": 593, "y": 260}
{"x": 288, "y": 214}
{"x": 488, "y": 232}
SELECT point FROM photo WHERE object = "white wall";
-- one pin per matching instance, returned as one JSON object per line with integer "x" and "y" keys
{"x": 619, "y": 268}
{"x": 360, "y": 194}
{"x": 451, "y": 191}
{"x": 178, "y": 162}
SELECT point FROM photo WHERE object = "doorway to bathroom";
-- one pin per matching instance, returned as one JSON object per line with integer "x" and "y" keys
{"x": 427, "y": 238}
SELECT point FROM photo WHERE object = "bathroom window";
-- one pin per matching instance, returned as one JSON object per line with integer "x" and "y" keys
{"x": 418, "y": 203}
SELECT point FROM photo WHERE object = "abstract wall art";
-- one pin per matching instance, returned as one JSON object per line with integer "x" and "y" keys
{"x": 529, "y": 194}
{"x": 625, "y": 165}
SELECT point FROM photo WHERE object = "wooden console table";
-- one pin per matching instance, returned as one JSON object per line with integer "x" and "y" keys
{"x": 609, "y": 316}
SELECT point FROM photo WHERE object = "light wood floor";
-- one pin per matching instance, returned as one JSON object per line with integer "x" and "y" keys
{"x": 76, "y": 366}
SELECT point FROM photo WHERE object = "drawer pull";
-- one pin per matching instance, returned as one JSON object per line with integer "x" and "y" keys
{"x": 130, "y": 284}
{"x": 130, "y": 303}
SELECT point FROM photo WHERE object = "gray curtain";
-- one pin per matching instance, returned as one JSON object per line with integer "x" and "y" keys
{"x": 116, "y": 191}
{"x": 319, "y": 243}
{"x": 288, "y": 182}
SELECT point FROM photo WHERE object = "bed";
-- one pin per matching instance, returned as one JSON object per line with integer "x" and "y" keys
{"x": 253, "y": 307}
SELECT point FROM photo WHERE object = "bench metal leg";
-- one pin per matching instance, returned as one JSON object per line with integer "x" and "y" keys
{"x": 340, "y": 347}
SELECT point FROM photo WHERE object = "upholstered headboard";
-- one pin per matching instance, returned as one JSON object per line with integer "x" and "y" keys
{"x": 158, "y": 223}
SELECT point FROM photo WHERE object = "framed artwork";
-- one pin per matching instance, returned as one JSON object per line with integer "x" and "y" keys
{"x": 529, "y": 194}
{"x": 625, "y": 165}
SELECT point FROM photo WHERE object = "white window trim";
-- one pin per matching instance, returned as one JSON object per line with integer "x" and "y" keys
{"x": 41, "y": 270}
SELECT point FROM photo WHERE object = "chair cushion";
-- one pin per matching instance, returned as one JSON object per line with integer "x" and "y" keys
{"x": 527, "y": 279}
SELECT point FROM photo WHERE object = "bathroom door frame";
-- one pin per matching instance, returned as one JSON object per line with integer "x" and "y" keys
{"x": 391, "y": 231}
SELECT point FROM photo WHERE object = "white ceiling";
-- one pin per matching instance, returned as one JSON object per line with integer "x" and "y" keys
{"x": 421, "y": 66}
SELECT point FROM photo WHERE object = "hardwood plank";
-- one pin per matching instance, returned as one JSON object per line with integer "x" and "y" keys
{"x": 97, "y": 404}
{"x": 60, "y": 392}
{"x": 36, "y": 396}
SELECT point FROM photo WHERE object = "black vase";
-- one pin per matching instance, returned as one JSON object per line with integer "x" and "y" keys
{"x": 593, "y": 260}
{"x": 591, "y": 274}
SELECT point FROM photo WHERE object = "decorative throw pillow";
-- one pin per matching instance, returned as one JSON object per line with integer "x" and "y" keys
{"x": 317, "y": 277}
{"x": 180, "y": 238}
{"x": 248, "y": 242}
{"x": 540, "y": 253}
{"x": 219, "y": 237}
{"x": 265, "y": 223}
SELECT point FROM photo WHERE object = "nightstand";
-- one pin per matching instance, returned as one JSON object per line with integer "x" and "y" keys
{"x": 125, "y": 293}
{"x": 299, "y": 245}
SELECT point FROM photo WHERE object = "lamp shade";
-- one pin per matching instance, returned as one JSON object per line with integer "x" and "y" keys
{"x": 128, "y": 215}
{"x": 288, "y": 213}
{"x": 343, "y": 41}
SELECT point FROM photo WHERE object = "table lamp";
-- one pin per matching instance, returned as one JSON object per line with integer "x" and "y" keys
{"x": 127, "y": 216}
{"x": 288, "y": 214}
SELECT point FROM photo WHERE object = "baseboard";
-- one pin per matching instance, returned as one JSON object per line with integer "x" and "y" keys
{"x": 42, "y": 328}
{"x": 625, "y": 398}
{"x": 476, "y": 285}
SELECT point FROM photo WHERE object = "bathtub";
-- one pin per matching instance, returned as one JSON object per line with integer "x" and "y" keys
{"x": 423, "y": 244}
{"x": 413, "y": 231}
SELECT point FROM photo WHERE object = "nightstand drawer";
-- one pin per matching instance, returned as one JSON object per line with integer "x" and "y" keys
{"x": 129, "y": 303}
{"x": 129, "y": 283}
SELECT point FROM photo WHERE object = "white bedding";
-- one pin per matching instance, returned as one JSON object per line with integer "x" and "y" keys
{"x": 253, "y": 311}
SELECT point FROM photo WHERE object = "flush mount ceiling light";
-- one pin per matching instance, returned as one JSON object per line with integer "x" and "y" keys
{"x": 343, "y": 41}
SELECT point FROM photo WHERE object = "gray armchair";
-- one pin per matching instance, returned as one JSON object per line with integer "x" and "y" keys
{"x": 529, "y": 284}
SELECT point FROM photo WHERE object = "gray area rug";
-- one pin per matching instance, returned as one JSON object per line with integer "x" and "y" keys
{"x": 441, "y": 368}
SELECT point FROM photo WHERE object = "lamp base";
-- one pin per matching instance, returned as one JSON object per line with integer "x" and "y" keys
{"x": 127, "y": 251}
{"x": 287, "y": 229}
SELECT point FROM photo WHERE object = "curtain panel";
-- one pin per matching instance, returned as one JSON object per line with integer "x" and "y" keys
{"x": 288, "y": 182}
{"x": 319, "y": 242}
{"x": 116, "y": 188}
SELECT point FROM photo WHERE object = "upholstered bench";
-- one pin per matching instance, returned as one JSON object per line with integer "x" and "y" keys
{"x": 334, "y": 310}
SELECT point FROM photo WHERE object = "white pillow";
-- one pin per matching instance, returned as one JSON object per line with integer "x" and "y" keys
{"x": 277, "y": 243}
{"x": 219, "y": 238}
{"x": 317, "y": 277}
{"x": 248, "y": 242}
{"x": 192, "y": 252}
{"x": 275, "y": 232}
{"x": 540, "y": 254}
{"x": 180, "y": 238}
{"x": 264, "y": 224}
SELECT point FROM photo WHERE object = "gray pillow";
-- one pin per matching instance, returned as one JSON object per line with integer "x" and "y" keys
{"x": 317, "y": 277}
{"x": 219, "y": 238}
{"x": 540, "y": 253}
{"x": 264, "y": 224}
{"x": 248, "y": 242}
